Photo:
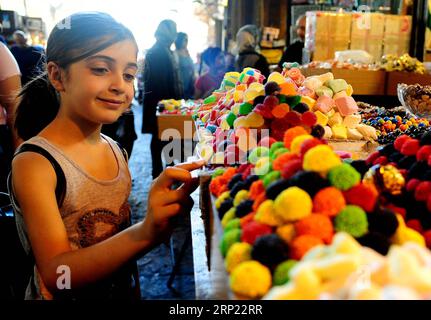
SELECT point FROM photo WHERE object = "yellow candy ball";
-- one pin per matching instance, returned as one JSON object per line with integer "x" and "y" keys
{"x": 321, "y": 159}
{"x": 250, "y": 279}
{"x": 239, "y": 252}
{"x": 293, "y": 204}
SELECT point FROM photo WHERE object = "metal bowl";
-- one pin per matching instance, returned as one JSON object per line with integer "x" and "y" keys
{"x": 416, "y": 99}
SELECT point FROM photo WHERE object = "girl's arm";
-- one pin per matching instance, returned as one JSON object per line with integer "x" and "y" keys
{"x": 34, "y": 182}
{"x": 9, "y": 89}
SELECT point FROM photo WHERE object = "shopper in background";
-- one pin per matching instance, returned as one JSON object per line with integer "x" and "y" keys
{"x": 214, "y": 58}
{"x": 10, "y": 85}
{"x": 161, "y": 81}
{"x": 247, "y": 40}
{"x": 30, "y": 58}
{"x": 186, "y": 66}
{"x": 293, "y": 52}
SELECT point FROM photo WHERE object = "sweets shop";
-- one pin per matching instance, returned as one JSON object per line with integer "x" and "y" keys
{"x": 309, "y": 194}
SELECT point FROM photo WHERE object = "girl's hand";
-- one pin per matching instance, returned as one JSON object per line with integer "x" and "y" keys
{"x": 164, "y": 202}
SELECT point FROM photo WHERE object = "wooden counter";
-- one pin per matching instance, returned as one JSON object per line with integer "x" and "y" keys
{"x": 396, "y": 77}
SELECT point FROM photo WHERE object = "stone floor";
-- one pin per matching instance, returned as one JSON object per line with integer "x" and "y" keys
{"x": 156, "y": 266}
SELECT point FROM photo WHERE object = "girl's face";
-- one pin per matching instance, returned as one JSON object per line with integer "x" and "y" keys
{"x": 101, "y": 87}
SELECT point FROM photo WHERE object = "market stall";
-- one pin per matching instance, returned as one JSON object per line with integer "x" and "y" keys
{"x": 301, "y": 212}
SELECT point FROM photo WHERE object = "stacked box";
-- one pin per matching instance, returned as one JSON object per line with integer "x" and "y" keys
{"x": 397, "y": 34}
{"x": 327, "y": 32}
{"x": 367, "y": 33}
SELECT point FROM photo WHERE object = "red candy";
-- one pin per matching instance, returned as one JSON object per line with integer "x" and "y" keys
{"x": 412, "y": 184}
{"x": 264, "y": 111}
{"x": 423, "y": 153}
{"x": 293, "y": 118}
{"x": 372, "y": 157}
{"x": 427, "y": 236}
{"x": 290, "y": 168}
{"x": 253, "y": 230}
{"x": 362, "y": 195}
{"x": 429, "y": 204}
{"x": 382, "y": 160}
{"x": 410, "y": 147}
{"x": 309, "y": 118}
{"x": 415, "y": 225}
{"x": 423, "y": 190}
{"x": 271, "y": 101}
{"x": 396, "y": 209}
{"x": 282, "y": 159}
{"x": 399, "y": 142}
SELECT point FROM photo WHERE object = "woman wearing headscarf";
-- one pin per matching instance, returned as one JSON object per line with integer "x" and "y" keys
{"x": 161, "y": 81}
{"x": 247, "y": 40}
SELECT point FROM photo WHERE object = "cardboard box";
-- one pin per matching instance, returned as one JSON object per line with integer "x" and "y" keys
{"x": 397, "y": 34}
{"x": 327, "y": 32}
{"x": 367, "y": 33}
{"x": 175, "y": 126}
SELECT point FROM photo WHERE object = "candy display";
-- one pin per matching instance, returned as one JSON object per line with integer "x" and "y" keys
{"x": 320, "y": 219}
{"x": 392, "y": 122}
{"x": 239, "y": 116}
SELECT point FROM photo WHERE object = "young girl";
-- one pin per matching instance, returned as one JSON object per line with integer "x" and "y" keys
{"x": 91, "y": 67}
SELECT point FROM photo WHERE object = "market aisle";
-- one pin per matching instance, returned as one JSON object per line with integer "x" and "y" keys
{"x": 156, "y": 266}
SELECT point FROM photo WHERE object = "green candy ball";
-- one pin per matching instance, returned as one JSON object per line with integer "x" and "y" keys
{"x": 218, "y": 172}
{"x": 229, "y": 238}
{"x": 293, "y": 101}
{"x": 258, "y": 153}
{"x": 233, "y": 224}
{"x": 245, "y": 108}
{"x": 270, "y": 178}
{"x": 231, "y": 117}
{"x": 278, "y": 152}
{"x": 275, "y": 146}
{"x": 353, "y": 220}
{"x": 344, "y": 177}
{"x": 281, "y": 273}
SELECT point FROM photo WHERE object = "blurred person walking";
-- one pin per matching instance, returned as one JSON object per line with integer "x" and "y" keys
{"x": 247, "y": 43}
{"x": 161, "y": 81}
{"x": 186, "y": 66}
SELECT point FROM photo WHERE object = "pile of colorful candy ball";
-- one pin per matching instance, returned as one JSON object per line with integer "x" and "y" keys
{"x": 295, "y": 217}
{"x": 243, "y": 103}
